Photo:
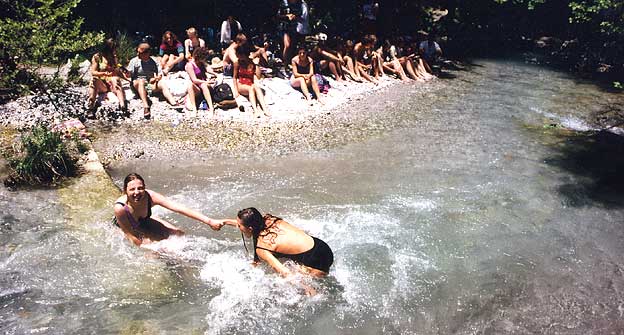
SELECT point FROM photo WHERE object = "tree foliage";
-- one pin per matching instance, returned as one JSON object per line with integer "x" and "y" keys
{"x": 38, "y": 32}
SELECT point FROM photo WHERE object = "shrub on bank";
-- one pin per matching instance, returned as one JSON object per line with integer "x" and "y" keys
{"x": 43, "y": 157}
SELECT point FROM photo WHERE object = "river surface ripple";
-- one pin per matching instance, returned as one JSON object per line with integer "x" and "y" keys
{"x": 464, "y": 215}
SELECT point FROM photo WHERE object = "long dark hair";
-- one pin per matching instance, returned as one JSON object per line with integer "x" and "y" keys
{"x": 200, "y": 57}
{"x": 242, "y": 53}
{"x": 251, "y": 218}
{"x": 109, "y": 51}
{"x": 130, "y": 178}
{"x": 174, "y": 38}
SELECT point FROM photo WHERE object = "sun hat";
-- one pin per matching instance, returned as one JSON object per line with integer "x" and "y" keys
{"x": 216, "y": 63}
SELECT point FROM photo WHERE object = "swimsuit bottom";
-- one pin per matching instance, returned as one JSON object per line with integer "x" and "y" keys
{"x": 320, "y": 257}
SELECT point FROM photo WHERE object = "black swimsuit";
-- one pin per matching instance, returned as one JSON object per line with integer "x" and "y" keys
{"x": 142, "y": 221}
{"x": 320, "y": 257}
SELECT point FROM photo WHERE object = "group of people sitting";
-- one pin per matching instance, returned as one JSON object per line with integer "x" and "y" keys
{"x": 242, "y": 64}
{"x": 272, "y": 237}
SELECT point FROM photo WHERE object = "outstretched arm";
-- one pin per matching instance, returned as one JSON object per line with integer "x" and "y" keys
{"x": 159, "y": 199}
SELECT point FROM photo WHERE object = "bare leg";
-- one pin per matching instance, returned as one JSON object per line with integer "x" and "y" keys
{"x": 192, "y": 90}
{"x": 286, "y": 51}
{"x": 301, "y": 83}
{"x": 253, "y": 101}
{"x": 365, "y": 75}
{"x": 409, "y": 68}
{"x": 206, "y": 92}
{"x": 119, "y": 92}
{"x": 260, "y": 96}
{"x": 97, "y": 87}
{"x": 334, "y": 71}
{"x": 139, "y": 86}
{"x": 163, "y": 63}
{"x": 315, "y": 88}
{"x": 166, "y": 93}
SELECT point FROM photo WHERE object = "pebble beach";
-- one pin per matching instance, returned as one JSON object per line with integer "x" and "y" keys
{"x": 349, "y": 110}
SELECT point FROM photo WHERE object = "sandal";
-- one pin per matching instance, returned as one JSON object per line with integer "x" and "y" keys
{"x": 146, "y": 113}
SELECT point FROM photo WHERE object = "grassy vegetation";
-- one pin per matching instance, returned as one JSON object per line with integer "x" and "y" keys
{"x": 43, "y": 157}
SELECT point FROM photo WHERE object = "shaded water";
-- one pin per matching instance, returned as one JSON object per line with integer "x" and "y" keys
{"x": 472, "y": 220}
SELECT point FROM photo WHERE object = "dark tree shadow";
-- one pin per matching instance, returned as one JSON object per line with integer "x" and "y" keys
{"x": 598, "y": 162}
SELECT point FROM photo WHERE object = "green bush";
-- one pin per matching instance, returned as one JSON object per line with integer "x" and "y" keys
{"x": 34, "y": 33}
{"x": 43, "y": 157}
{"x": 126, "y": 49}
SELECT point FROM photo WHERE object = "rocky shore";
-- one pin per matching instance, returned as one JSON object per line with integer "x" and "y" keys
{"x": 350, "y": 111}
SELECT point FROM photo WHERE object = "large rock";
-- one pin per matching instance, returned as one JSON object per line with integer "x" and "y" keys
{"x": 84, "y": 71}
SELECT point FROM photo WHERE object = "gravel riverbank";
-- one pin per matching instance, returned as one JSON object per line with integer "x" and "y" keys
{"x": 358, "y": 116}
{"x": 350, "y": 111}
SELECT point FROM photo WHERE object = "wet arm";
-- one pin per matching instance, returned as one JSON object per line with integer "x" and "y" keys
{"x": 273, "y": 262}
{"x": 124, "y": 224}
{"x": 159, "y": 199}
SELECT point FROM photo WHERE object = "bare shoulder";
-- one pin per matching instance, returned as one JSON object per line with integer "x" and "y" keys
{"x": 122, "y": 199}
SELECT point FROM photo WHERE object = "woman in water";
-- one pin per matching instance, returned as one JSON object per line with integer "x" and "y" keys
{"x": 275, "y": 238}
{"x": 133, "y": 213}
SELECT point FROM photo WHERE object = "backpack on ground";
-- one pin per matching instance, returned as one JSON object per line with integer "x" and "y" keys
{"x": 222, "y": 92}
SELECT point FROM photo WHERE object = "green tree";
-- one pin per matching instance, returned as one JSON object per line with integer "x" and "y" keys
{"x": 34, "y": 33}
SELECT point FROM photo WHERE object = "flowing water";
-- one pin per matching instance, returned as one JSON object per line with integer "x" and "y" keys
{"x": 479, "y": 218}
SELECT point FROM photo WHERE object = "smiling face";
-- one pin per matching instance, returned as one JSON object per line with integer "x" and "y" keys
{"x": 135, "y": 190}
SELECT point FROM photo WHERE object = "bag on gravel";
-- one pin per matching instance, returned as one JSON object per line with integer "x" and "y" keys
{"x": 222, "y": 92}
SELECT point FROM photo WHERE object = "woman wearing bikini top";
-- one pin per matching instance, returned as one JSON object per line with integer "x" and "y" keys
{"x": 275, "y": 238}
{"x": 133, "y": 212}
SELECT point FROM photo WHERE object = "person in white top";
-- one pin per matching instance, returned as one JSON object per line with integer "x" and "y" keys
{"x": 229, "y": 29}
{"x": 192, "y": 42}
{"x": 430, "y": 49}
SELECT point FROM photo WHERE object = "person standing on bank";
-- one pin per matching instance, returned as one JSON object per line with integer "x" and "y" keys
{"x": 133, "y": 213}
{"x": 229, "y": 29}
{"x": 293, "y": 15}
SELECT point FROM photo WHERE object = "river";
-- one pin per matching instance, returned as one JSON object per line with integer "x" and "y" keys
{"x": 476, "y": 214}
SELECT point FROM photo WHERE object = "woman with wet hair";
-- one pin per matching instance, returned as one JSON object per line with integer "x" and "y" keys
{"x": 133, "y": 213}
{"x": 274, "y": 238}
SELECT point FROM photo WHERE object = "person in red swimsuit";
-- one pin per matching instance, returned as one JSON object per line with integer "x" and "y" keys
{"x": 244, "y": 81}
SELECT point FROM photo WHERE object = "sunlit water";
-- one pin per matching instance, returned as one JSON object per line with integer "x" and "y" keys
{"x": 459, "y": 223}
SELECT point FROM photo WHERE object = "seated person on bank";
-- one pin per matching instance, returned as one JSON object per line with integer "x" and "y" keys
{"x": 146, "y": 75}
{"x": 202, "y": 79}
{"x": 245, "y": 72}
{"x": 172, "y": 53}
{"x": 106, "y": 76}
{"x": 192, "y": 42}
{"x": 303, "y": 75}
{"x": 229, "y": 55}
{"x": 430, "y": 49}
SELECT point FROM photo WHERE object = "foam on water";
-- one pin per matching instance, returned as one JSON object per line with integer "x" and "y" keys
{"x": 567, "y": 121}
